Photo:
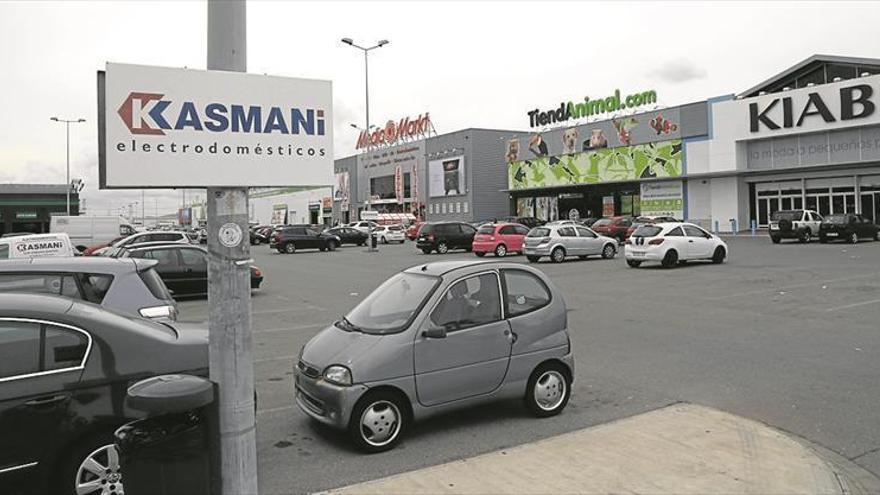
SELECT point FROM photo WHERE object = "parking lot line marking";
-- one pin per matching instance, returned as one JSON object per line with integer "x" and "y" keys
{"x": 793, "y": 286}
{"x": 279, "y": 358}
{"x": 854, "y": 305}
{"x": 288, "y": 329}
{"x": 275, "y": 409}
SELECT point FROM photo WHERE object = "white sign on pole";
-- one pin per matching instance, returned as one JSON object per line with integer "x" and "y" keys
{"x": 166, "y": 127}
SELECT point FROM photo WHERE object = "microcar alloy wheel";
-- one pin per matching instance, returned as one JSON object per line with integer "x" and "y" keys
{"x": 548, "y": 390}
{"x": 377, "y": 422}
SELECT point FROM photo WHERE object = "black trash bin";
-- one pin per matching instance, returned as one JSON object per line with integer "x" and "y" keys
{"x": 168, "y": 452}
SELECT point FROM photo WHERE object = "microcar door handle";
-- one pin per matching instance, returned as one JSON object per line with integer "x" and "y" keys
{"x": 45, "y": 401}
{"x": 512, "y": 335}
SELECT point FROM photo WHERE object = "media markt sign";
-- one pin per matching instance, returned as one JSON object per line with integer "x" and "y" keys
{"x": 590, "y": 107}
{"x": 166, "y": 127}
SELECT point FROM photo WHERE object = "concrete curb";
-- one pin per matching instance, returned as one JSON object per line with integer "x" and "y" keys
{"x": 681, "y": 448}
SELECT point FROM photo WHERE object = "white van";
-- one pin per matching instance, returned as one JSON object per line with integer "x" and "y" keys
{"x": 85, "y": 231}
{"x": 35, "y": 246}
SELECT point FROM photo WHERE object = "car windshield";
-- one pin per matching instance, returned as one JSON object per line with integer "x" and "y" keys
{"x": 539, "y": 232}
{"x": 647, "y": 231}
{"x": 486, "y": 229}
{"x": 836, "y": 219}
{"x": 390, "y": 307}
{"x": 785, "y": 215}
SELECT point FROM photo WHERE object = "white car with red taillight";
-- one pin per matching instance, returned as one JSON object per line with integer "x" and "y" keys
{"x": 672, "y": 243}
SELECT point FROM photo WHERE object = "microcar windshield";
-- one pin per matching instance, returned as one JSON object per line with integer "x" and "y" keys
{"x": 392, "y": 306}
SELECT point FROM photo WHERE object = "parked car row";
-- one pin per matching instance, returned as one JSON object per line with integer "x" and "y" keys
{"x": 805, "y": 225}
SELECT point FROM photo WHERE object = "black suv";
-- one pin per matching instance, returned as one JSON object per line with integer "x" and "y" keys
{"x": 849, "y": 227}
{"x": 292, "y": 237}
{"x": 443, "y": 236}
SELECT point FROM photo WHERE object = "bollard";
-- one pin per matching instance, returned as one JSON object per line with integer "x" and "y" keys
{"x": 733, "y": 225}
{"x": 754, "y": 227}
{"x": 717, "y": 225}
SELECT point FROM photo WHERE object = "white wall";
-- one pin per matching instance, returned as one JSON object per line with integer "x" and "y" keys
{"x": 697, "y": 155}
{"x": 725, "y": 202}
{"x": 297, "y": 205}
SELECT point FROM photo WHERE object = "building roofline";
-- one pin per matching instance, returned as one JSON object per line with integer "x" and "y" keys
{"x": 807, "y": 61}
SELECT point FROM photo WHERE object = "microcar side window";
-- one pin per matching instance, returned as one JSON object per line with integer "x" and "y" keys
{"x": 469, "y": 303}
{"x": 523, "y": 292}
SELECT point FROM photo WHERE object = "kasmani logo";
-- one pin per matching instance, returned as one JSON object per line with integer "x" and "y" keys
{"x": 150, "y": 114}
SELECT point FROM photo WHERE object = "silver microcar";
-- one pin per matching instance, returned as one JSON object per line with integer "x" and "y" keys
{"x": 437, "y": 337}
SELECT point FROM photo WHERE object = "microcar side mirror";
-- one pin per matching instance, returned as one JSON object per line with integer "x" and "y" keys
{"x": 435, "y": 333}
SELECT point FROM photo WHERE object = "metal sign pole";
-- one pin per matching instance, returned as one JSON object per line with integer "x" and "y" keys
{"x": 229, "y": 338}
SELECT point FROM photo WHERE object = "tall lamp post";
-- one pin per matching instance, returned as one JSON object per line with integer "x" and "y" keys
{"x": 67, "y": 123}
{"x": 366, "y": 50}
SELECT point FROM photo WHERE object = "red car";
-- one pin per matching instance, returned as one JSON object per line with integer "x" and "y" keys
{"x": 91, "y": 249}
{"x": 413, "y": 231}
{"x": 499, "y": 238}
{"x": 615, "y": 227}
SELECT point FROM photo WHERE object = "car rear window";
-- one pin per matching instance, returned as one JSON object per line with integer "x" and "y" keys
{"x": 836, "y": 219}
{"x": 785, "y": 215}
{"x": 647, "y": 231}
{"x": 395, "y": 228}
{"x": 599, "y": 223}
{"x": 486, "y": 229}
{"x": 155, "y": 284}
{"x": 539, "y": 232}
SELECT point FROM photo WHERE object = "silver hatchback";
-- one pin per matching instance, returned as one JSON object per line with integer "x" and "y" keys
{"x": 560, "y": 240}
{"x": 438, "y": 337}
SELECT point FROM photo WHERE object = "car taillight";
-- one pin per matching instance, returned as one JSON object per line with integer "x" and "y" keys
{"x": 492, "y": 238}
{"x": 656, "y": 242}
{"x": 257, "y": 271}
{"x": 431, "y": 237}
{"x": 167, "y": 311}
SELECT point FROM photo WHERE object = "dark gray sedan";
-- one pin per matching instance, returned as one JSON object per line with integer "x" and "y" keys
{"x": 65, "y": 366}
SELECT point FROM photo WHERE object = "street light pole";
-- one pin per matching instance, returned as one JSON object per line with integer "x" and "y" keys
{"x": 366, "y": 50}
{"x": 67, "y": 123}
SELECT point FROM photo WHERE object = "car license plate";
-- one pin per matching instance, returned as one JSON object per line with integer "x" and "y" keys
{"x": 831, "y": 234}
{"x": 637, "y": 253}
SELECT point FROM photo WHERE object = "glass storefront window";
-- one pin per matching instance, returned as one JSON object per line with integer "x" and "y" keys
{"x": 824, "y": 205}
{"x": 837, "y": 204}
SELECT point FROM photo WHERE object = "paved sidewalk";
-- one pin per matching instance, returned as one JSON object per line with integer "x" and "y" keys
{"x": 678, "y": 449}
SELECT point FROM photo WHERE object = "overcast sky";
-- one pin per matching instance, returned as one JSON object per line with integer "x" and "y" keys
{"x": 470, "y": 64}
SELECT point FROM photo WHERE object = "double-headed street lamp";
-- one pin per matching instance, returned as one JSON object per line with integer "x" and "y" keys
{"x": 381, "y": 43}
{"x": 67, "y": 124}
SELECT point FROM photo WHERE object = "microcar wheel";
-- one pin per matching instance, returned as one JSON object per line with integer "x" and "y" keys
{"x": 501, "y": 251}
{"x": 548, "y": 390}
{"x": 634, "y": 263}
{"x": 378, "y": 422}
{"x": 671, "y": 259}
{"x": 558, "y": 255}
{"x": 442, "y": 248}
{"x": 719, "y": 255}
{"x": 608, "y": 251}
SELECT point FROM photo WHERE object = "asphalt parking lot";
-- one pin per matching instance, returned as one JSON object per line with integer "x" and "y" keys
{"x": 787, "y": 334}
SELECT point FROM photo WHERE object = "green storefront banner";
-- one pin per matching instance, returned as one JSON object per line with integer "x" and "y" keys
{"x": 643, "y": 161}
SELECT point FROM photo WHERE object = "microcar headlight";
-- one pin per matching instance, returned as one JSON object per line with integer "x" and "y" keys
{"x": 338, "y": 374}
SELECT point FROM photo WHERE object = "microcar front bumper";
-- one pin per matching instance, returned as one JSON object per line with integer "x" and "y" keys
{"x": 326, "y": 402}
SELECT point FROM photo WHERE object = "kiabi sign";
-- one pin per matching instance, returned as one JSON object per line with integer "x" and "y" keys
{"x": 393, "y": 132}
{"x": 849, "y": 103}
